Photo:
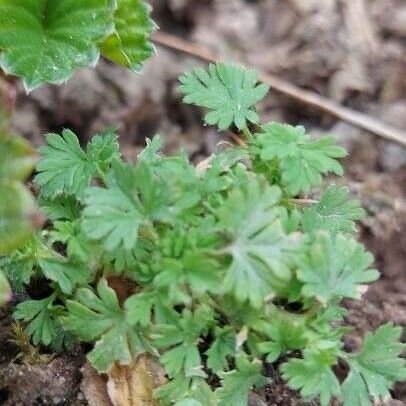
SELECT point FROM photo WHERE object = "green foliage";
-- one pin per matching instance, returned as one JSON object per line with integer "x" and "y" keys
{"x": 313, "y": 375}
{"x": 67, "y": 275}
{"x": 44, "y": 41}
{"x": 112, "y": 216}
{"x": 259, "y": 248}
{"x": 375, "y": 369}
{"x": 182, "y": 339}
{"x": 236, "y": 384}
{"x": 42, "y": 325}
{"x": 333, "y": 213}
{"x": 129, "y": 44}
{"x": 284, "y": 332}
{"x": 17, "y": 207}
{"x": 229, "y": 91}
{"x": 65, "y": 169}
{"x": 332, "y": 269}
{"x": 215, "y": 269}
{"x": 99, "y": 317}
{"x": 302, "y": 161}
{"x": 223, "y": 346}
{"x": 189, "y": 392}
{"x": 17, "y": 211}
{"x": 20, "y": 267}
{"x": 17, "y": 157}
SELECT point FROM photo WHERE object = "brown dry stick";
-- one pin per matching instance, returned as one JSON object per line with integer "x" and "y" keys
{"x": 312, "y": 99}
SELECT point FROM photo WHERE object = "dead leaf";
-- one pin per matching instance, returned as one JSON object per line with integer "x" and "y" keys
{"x": 242, "y": 337}
{"x": 204, "y": 165}
{"x": 134, "y": 384}
{"x": 122, "y": 286}
{"x": 93, "y": 387}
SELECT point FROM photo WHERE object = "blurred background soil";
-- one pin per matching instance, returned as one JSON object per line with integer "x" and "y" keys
{"x": 351, "y": 51}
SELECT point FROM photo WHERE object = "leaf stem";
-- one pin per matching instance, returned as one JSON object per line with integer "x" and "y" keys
{"x": 101, "y": 174}
{"x": 303, "y": 201}
{"x": 213, "y": 302}
{"x": 248, "y": 134}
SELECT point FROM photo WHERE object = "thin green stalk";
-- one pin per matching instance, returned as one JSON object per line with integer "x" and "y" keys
{"x": 248, "y": 134}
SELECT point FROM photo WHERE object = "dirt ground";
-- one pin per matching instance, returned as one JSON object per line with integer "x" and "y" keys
{"x": 351, "y": 51}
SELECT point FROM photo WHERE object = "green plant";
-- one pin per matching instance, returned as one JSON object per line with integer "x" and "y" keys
{"x": 17, "y": 159}
{"x": 223, "y": 265}
{"x": 27, "y": 353}
{"x": 44, "y": 41}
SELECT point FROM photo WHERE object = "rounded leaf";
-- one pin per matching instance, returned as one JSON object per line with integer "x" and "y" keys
{"x": 45, "y": 40}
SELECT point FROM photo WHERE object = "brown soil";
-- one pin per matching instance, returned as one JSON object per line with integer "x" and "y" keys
{"x": 354, "y": 56}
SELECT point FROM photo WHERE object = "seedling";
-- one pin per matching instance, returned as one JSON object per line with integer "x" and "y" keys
{"x": 213, "y": 269}
{"x": 224, "y": 267}
{"x": 44, "y": 41}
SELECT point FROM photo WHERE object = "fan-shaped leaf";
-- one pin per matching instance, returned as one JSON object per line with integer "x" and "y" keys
{"x": 99, "y": 317}
{"x": 334, "y": 268}
{"x": 259, "y": 247}
{"x": 302, "y": 160}
{"x": 229, "y": 91}
{"x": 375, "y": 369}
{"x": 313, "y": 375}
{"x": 334, "y": 212}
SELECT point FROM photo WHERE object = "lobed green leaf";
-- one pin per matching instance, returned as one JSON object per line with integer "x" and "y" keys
{"x": 375, "y": 369}
{"x": 302, "y": 161}
{"x": 229, "y": 91}
{"x": 334, "y": 268}
{"x": 260, "y": 250}
{"x": 333, "y": 213}
{"x": 236, "y": 384}
{"x": 313, "y": 375}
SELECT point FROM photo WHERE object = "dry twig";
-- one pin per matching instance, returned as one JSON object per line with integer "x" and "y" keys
{"x": 312, "y": 99}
